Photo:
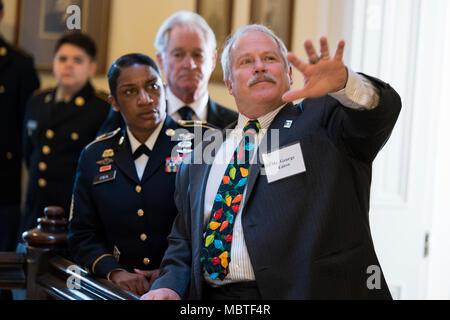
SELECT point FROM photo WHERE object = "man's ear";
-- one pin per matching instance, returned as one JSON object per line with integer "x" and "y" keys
{"x": 229, "y": 85}
{"x": 112, "y": 101}
{"x": 159, "y": 59}
{"x": 92, "y": 69}
{"x": 214, "y": 57}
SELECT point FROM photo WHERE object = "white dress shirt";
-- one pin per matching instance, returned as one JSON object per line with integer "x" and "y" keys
{"x": 199, "y": 107}
{"x": 359, "y": 93}
{"x": 141, "y": 162}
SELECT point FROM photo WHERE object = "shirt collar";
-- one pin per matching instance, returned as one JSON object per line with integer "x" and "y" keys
{"x": 150, "y": 143}
{"x": 174, "y": 103}
{"x": 264, "y": 120}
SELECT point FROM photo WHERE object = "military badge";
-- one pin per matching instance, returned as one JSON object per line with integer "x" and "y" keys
{"x": 108, "y": 153}
{"x": 105, "y": 161}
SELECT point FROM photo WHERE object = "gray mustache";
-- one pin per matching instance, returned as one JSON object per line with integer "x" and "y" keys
{"x": 261, "y": 77}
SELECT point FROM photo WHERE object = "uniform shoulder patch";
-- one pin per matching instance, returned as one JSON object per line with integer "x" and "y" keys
{"x": 104, "y": 136}
{"x": 43, "y": 91}
{"x": 101, "y": 94}
{"x": 196, "y": 123}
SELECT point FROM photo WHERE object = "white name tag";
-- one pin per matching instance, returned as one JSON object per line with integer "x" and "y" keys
{"x": 283, "y": 163}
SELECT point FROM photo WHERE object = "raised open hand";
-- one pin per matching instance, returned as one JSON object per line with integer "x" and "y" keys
{"x": 322, "y": 74}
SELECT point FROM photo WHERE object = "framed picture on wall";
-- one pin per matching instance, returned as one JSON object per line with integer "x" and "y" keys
{"x": 277, "y": 15}
{"x": 42, "y": 22}
{"x": 218, "y": 14}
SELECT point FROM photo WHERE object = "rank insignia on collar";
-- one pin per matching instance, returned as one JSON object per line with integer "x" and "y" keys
{"x": 108, "y": 153}
{"x": 105, "y": 161}
{"x": 170, "y": 132}
{"x": 172, "y": 164}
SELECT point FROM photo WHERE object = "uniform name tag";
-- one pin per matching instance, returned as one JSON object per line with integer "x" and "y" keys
{"x": 104, "y": 177}
{"x": 283, "y": 163}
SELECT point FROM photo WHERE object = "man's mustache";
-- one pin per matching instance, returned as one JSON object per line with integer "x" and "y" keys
{"x": 261, "y": 77}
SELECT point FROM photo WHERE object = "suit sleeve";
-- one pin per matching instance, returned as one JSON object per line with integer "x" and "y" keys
{"x": 175, "y": 270}
{"x": 362, "y": 133}
{"x": 86, "y": 237}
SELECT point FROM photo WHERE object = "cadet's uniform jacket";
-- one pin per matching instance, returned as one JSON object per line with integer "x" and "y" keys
{"x": 117, "y": 220}
{"x": 55, "y": 134}
{"x": 18, "y": 80}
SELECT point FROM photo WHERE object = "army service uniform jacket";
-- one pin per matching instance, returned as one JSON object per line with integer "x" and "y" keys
{"x": 117, "y": 220}
{"x": 55, "y": 134}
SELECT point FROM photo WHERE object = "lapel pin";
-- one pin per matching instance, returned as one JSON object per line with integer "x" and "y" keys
{"x": 288, "y": 124}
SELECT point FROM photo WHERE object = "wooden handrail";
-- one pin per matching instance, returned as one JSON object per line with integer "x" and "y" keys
{"x": 44, "y": 271}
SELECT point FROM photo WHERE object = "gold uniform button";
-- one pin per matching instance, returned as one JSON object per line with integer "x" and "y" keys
{"x": 3, "y": 51}
{"x": 74, "y": 136}
{"x": 46, "y": 150}
{"x": 138, "y": 189}
{"x": 42, "y": 183}
{"x": 42, "y": 166}
{"x": 2, "y": 89}
{"x": 9, "y": 155}
{"x": 140, "y": 212}
{"x": 79, "y": 101}
{"x": 143, "y": 237}
{"x": 49, "y": 134}
{"x": 146, "y": 261}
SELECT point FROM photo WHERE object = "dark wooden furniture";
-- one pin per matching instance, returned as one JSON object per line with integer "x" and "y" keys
{"x": 44, "y": 270}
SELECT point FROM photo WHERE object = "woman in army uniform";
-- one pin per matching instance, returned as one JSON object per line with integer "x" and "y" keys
{"x": 123, "y": 207}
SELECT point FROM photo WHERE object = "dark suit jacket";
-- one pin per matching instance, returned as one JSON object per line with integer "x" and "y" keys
{"x": 307, "y": 235}
{"x": 217, "y": 115}
{"x": 54, "y": 136}
{"x": 113, "y": 224}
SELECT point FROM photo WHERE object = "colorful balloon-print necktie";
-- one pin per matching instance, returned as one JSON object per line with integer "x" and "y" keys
{"x": 215, "y": 255}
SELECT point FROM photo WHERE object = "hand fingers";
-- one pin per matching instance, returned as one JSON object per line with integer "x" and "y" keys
{"x": 340, "y": 51}
{"x": 324, "y": 52}
{"x": 311, "y": 52}
{"x": 296, "y": 62}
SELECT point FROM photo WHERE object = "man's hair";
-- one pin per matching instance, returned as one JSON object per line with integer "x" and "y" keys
{"x": 186, "y": 19}
{"x": 125, "y": 61}
{"x": 225, "y": 58}
{"x": 79, "y": 39}
{"x": 1, "y": 5}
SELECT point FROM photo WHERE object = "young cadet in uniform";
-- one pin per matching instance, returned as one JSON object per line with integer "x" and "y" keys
{"x": 123, "y": 200}
{"x": 58, "y": 124}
